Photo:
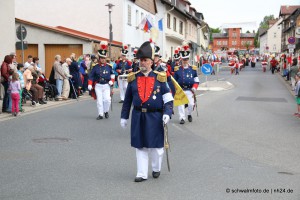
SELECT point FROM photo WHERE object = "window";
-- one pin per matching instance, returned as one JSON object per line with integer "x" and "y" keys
{"x": 250, "y": 42}
{"x": 181, "y": 27}
{"x": 224, "y": 42}
{"x": 142, "y": 16}
{"x": 129, "y": 15}
{"x": 168, "y": 20}
{"x": 233, "y": 43}
{"x": 234, "y": 34}
{"x": 137, "y": 18}
{"x": 275, "y": 35}
{"x": 174, "y": 23}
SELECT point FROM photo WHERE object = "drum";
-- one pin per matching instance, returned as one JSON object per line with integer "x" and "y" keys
{"x": 123, "y": 77}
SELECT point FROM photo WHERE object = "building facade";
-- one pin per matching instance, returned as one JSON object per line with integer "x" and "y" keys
{"x": 233, "y": 39}
{"x": 8, "y": 34}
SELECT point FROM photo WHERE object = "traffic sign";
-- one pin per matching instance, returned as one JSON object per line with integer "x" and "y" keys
{"x": 206, "y": 69}
{"x": 21, "y": 35}
{"x": 291, "y": 40}
{"x": 291, "y": 46}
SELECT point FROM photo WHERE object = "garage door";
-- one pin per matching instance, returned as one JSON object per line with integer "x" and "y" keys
{"x": 32, "y": 50}
{"x": 51, "y": 50}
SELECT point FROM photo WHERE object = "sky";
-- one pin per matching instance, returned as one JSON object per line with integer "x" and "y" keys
{"x": 218, "y": 12}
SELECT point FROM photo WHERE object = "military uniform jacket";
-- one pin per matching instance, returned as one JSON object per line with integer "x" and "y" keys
{"x": 147, "y": 95}
{"x": 100, "y": 74}
{"x": 186, "y": 78}
{"x": 123, "y": 66}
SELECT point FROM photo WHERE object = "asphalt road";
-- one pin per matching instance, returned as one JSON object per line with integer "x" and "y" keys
{"x": 244, "y": 138}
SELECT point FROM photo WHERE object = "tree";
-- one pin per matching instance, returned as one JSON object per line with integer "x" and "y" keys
{"x": 247, "y": 45}
{"x": 248, "y": 31}
{"x": 214, "y": 30}
{"x": 265, "y": 22}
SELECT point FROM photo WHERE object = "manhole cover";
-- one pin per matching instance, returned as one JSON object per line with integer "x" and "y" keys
{"x": 51, "y": 140}
{"x": 286, "y": 173}
{"x": 263, "y": 99}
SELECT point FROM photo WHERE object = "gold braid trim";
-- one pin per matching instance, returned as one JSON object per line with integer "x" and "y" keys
{"x": 194, "y": 67}
{"x": 176, "y": 68}
{"x": 161, "y": 76}
{"x": 131, "y": 77}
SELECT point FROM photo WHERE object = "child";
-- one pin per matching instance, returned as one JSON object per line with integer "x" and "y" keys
{"x": 297, "y": 94}
{"x": 15, "y": 88}
{"x": 20, "y": 72}
{"x": 237, "y": 66}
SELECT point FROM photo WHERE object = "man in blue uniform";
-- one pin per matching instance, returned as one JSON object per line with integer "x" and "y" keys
{"x": 135, "y": 64}
{"x": 152, "y": 108}
{"x": 187, "y": 77}
{"x": 101, "y": 79}
{"x": 124, "y": 67}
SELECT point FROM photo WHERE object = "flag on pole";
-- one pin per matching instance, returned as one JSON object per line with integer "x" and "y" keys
{"x": 160, "y": 24}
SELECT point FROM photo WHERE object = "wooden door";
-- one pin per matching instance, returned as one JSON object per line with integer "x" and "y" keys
{"x": 51, "y": 50}
{"x": 32, "y": 50}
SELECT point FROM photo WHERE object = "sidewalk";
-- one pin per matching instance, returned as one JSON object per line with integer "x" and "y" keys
{"x": 286, "y": 83}
{"x": 50, "y": 104}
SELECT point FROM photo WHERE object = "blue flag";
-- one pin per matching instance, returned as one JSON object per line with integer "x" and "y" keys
{"x": 160, "y": 25}
{"x": 149, "y": 24}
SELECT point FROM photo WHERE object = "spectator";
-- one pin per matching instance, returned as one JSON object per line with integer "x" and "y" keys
{"x": 15, "y": 88}
{"x": 84, "y": 71}
{"x": 293, "y": 71}
{"x": 5, "y": 81}
{"x": 74, "y": 71}
{"x": 21, "y": 78}
{"x": 35, "y": 86}
{"x": 66, "y": 84}
{"x": 36, "y": 64}
{"x": 29, "y": 61}
{"x": 14, "y": 64}
{"x": 58, "y": 75}
{"x": 27, "y": 75}
{"x": 297, "y": 94}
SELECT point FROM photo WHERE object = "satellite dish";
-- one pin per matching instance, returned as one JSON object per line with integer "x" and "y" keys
{"x": 21, "y": 32}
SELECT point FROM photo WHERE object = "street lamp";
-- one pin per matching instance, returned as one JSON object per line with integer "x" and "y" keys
{"x": 110, "y": 5}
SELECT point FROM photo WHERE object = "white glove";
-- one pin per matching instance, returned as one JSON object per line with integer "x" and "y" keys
{"x": 166, "y": 119}
{"x": 123, "y": 123}
{"x": 90, "y": 87}
{"x": 110, "y": 83}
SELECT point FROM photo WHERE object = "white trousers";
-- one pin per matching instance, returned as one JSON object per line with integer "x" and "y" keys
{"x": 181, "y": 109}
{"x": 123, "y": 86}
{"x": 142, "y": 158}
{"x": 103, "y": 98}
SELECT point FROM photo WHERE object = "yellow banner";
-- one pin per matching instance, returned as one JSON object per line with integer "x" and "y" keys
{"x": 180, "y": 97}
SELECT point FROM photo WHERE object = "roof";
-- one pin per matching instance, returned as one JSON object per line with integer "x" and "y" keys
{"x": 287, "y": 9}
{"x": 249, "y": 35}
{"x": 69, "y": 32}
{"x": 262, "y": 31}
{"x": 219, "y": 35}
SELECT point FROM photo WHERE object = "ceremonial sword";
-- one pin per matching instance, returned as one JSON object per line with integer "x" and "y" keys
{"x": 195, "y": 99}
{"x": 167, "y": 145}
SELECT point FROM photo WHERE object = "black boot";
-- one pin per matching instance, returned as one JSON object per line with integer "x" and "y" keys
{"x": 106, "y": 115}
{"x": 155, "y": 174}
{"x": 182, "y": 121}
{"x": 99, "y": 117}
{"x": 41, "y": 101}
{"x": 190, "y": 118}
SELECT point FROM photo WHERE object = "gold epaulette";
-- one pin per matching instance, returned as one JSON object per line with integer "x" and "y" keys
{"x": 176, "y": 68}
{"x": 131, "y": 77}
{"x": 109, "y": 65}
{"x": 161, "y": 76}
{"x": 194, "y": 67}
